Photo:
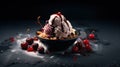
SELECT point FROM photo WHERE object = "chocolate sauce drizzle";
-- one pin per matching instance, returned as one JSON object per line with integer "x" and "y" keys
{"x": 59, "y": 14}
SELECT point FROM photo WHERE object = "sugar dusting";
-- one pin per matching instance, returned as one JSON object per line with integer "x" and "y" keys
{"x": 22, "y": 38}
{"x": 18, "y": 55}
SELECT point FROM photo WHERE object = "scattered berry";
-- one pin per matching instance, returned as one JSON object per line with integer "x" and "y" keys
{"x": 29, "y": 40}
{"x": 24, "y": 45}
{"x": 75, "y": 49}
{"x": 86, "y": 41}
{"x": 41, "y": 50}
{"x": 30, "y": 49}
{"x": 35, "y": 46}
{"x": 91, "y": 36}
{"x": 88, "y": 47}
{"x": 79, "y": 45}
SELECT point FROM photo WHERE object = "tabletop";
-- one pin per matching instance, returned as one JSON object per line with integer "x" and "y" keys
{"x": 108, "y": 56}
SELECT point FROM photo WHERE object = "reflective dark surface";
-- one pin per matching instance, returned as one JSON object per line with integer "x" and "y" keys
{"x": 108, "y": 31}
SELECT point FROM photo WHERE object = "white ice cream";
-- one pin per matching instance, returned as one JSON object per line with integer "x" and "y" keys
{"x": 62, "y": 27}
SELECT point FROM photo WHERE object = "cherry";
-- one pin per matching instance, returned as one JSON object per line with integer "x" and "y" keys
{"x": 30, "y": 49}
{"x": 88, "y": 47}
{"x": 35, "y": 46}
{"x": 24, "y": 45}
{"x": 91, "y": 36}
{"x": 75, "y": 49}
{"x": 86, "y": 41}
{"x": 82, "y": 51}
{"x": 29, "y": 40}
{"x": 41, "y": 50}
{"x": 79, "y": 45}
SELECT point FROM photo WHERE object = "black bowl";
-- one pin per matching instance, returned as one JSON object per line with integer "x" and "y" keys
{"x": 59, "y": 45}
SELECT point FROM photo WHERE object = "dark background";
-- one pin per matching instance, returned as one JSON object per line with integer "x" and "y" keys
{"x": 72, "y": 9}
{"x": 17, "y": 16}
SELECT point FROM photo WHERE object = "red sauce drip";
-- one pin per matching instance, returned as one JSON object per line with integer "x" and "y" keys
{"x": 59, "y": 14}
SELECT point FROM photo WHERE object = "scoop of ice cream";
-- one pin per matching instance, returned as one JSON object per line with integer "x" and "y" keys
{"x": 62, "y": 27}
{"x": 57, "y": 27}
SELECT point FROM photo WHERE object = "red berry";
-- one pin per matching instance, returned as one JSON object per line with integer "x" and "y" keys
{"x": 91, "y": 36}
{"x": 30, "y": 49}
{"x": 79, "y": 45}
{"x": 41, "y": 50}
{"x": 35, "y": 46}
{"x": 29, "y": 40}
{"x": 88, "y": 47}
{"x": 75, "y": 49}
{"x": 24, "y": 45}
{"x": 86, "y": 41}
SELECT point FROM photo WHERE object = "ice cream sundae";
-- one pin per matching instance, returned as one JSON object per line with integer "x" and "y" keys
{"x": 57, "y": 27}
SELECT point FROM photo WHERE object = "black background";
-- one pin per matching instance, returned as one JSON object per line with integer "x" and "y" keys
{"x": 72, "y": 9}
{"x": 17, "y": 16}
